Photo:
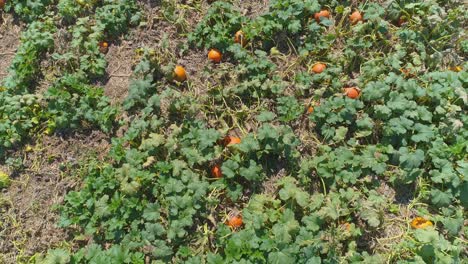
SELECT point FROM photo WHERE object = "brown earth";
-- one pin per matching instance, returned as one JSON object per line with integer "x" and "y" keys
{"x": 9, "y": 39}
{"x": 50, "y": 168}
{"x": 119, "y": 70}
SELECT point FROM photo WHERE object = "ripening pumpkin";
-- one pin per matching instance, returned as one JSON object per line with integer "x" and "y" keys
{"x": 235, "y": 221}
{"x": 319, "y": 67}
{"x": 456, "y": 68}
{"x": 408, "y": 73}
{"x": 103, "y": 46}
{"x": 323, "y": 13}
{"x": 401, "y": 21}
{"x": 346, "y": 226}
{"x": 240, "y": 38}
{"x": 179, "y": 74}
{"x": 231, "y": 140}
{"x": 352, "y": 92}
{"x": 215, "y": 55}
{"x": 355, "y": 17}
{"x": 420, "y": 223}
{"x": 310, "y": 109}
{"x": 216, "y": 171}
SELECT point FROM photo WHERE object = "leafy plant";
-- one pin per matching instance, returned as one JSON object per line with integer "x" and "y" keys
{"x": 35, "y": 42}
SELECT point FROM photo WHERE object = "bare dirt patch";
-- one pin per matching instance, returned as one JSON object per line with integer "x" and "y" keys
{"x": 28, "y": 214}
{"x": 9, "y": 40}
{"x": 394, "y": 228}
{"x": 270, "y": 186}
{"x": 120, "y": 61}
{"x": 253, "y": 8}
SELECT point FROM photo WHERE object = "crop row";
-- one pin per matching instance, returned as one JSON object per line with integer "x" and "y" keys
{"x": 70, "y": 101}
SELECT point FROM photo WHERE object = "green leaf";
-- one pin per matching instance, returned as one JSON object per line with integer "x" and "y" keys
{"x": 462, "y": 167}
{"x": 440, "y": 198}
{"x": 253, "y": 172}
{"x": 423, "y": 133}
{"x": 267, "y": 131}
{"x": 340, "y": 133}
{"x": 464, "y": 194}
{"x": 411, "y": 160}
{"x": 312, "y": 222}
{"x": 289, "y": 108}
{"x": 302, "y": 198}
{"x": 101, "y": 207}
{"x": 280, "y": 258}
{"x": 153, "y": 141}
{"x": 453, "y": 225}
{"x": 266, "y": 116}
{"x": 151, "y": 212}
{"x": 291, "y": 191}
{"x": 57, "y": 256}
{"x": 427, "y": 235}
{"x": 160, "y": 249}
{"x": 331, "y": 212}
{"x": 371, "y": 216}
{"x": 152, "y": 231}
{"x": 229, "y": 168}
{"x": 208, "y": 138}
{"x": 248, "y": 144}
{"x": 283, "y": 230}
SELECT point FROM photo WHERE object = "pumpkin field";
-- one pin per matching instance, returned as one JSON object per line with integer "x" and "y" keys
{"x": 233, "y": 131}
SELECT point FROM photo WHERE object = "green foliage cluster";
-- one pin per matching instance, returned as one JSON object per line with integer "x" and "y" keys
{"x": 37, "y": 40}
{"x": 71, "y": 101}
{"x": 29, "y": 10}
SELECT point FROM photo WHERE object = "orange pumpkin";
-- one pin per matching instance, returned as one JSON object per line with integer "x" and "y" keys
{"x": 318, "y": 67}
{"x": 103, "y": 46}
{"x": 401, "y": 21}
{"x": 216, "y": 171}
{"x": 420, "y": 223}
{"x": 239, "y": 37}
{"x": 352, "y": 92}
{"x": 215, "y": 55}
{"x": 456, "y": 68}
{"x": 346, "y": 226}
{"x": 231, "y": 140}
{"x": 235, "y": 221}
{"x": 323, "y": 13}
{"x": 179, "y": 74}
{"x": 407, "y": 72}
{"x": 355, "y": 17}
